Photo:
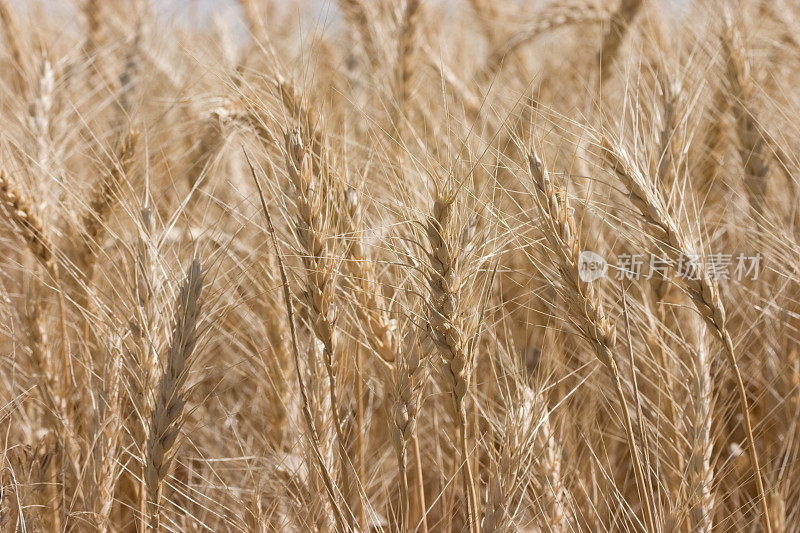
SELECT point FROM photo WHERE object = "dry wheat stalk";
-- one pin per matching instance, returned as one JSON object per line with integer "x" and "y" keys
{"x": 703, "y": 291}
{"x": 167, "y": 415}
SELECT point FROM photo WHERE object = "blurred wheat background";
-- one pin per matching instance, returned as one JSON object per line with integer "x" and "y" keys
{"x": 318, "y": 266}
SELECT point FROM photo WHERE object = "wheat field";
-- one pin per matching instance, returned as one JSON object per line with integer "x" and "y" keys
{"x": 400, "y": 265}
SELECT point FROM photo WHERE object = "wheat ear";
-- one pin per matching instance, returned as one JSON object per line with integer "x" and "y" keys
{"x": 703, "y": 291}
{"x": 101, "y": 204}
{"x": 407, "y": 54}
{"x": 407, "y": 389}
{"x": 382, "y": 336}
{"x": 167, "y": 415}
{"x": 12, "y": 33}
{"x": 320, "y": 273}
{"x": 700, "y": 473}
{"x": 106, "y": 461}
{"x": 750, "y": 141}
{"x": 447, "y": 328}
{"x": 379, "y": 329}
{"x": 19, "y": 210}
{"x": 586, "y": 309}
{"x": 549, "y": 22}
{"x": 618, "y": 29}
{"x": 330, "y": 488}
{"x": 357, "y": 15}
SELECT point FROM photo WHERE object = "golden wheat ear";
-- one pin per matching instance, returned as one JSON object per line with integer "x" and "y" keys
{"x": 168, "y": 412}
{"x": 586, "y": 308}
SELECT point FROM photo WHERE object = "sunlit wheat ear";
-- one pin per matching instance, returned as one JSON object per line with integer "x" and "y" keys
{"x": 407, "y": 383}
{"x": 18, "y": 209}
{"x": 168, "y": 412}
{"x": 702, "y": 288}
{"x": 109, "y": 429}
{"x": 562, "y": 235}
{"x": 447, "y": 326}
{"x": 321, "y": 272}
{"x": 586, "y": 309}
